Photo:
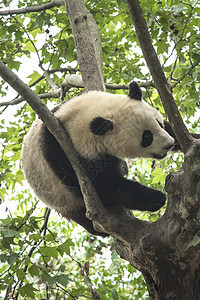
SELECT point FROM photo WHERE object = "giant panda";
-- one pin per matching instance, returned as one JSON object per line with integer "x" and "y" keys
{"x": 104, "y": 129}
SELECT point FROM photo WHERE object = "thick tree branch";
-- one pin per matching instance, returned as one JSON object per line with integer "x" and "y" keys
{"x": 117, "y": 222}
{"x": 158, "y": 75}
{"x": 54, "y": 126}
{"x": 24, "y": 10}
{"x": 88, "y": 44}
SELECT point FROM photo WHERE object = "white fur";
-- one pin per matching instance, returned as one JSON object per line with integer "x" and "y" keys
{"x": 42, "y": 179}
{"x": 130, "y": 119}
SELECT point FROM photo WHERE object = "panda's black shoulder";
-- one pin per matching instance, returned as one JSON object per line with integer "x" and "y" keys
{"x": 57, "y": 160}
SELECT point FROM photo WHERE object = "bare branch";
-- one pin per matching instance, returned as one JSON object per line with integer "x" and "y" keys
{"x": 67, "y": 84}
{"x": 173, "y": 69}
{"x": 158, "y": 75}
{"x": 15, "y": 101}
{"x": 145, "y": 85}
{"x": 42, "y": 7}
{"x": 65, "y": 70}
{"x": 70, "y": 81}
{"x": 50, "y": 81}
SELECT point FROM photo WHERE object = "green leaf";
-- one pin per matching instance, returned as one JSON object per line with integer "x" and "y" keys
{"x": 12, "y": 258}
{"x": 27, "y": 290}
{"x": 29, "y": 47}
{"x": 20, "y": 274}
{"x": 19, "y": 177}
{"x": 9, "y": 232}
{"x": 114, "y": 294}
{"x": 35, "y": 237}
{"x": 49, "y": 252}
{"x": 34, "y": 76}
{"x": 63, "y": 280}
{"x": 158, "y": 176}
{"x": 34, "y": 270}
{"x": 65, "y": 247}
{"x": 3, "y": 257}
{"x": 47, "y": 278}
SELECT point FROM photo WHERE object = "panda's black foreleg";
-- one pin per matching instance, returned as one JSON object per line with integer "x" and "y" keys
{"x": 117, "y": 190}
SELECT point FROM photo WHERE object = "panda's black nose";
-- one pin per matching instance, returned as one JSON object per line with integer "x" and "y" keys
{"x": 168, "y": 147}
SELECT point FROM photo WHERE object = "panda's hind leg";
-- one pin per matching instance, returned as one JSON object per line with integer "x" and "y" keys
{"x": 80, "y": 218}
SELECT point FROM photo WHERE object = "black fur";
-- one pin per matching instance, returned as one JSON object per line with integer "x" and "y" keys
{"x": 134, "y": 91}
{"x": 58, "y": 161}
{"x": 106, "y": 173}
{"x": 99, "y": 126}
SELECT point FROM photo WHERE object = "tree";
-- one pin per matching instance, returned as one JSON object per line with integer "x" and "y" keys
{"x": 165, "y": 251}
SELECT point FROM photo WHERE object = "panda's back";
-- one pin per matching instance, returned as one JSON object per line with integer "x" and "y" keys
{"x": 49, "y": 172}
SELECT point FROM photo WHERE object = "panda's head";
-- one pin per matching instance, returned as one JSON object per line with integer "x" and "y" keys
{"x": 118, "y": 125}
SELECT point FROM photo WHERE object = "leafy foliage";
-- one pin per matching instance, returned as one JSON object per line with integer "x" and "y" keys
{"x": 44, "y": 256}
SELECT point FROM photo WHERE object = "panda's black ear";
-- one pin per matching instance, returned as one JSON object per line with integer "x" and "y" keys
{"x": 134, "y": 91}
{"x": 99, "y": 126}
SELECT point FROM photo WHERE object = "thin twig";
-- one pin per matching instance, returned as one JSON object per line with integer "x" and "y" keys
{"x": 35, "y": 245}
{"x": 50, "y": 81}
{"x": 181, "y": 37}
{"x": 27, "y": 217}
{"x": 40, "y": 62}
{"x": 186, "y": 74}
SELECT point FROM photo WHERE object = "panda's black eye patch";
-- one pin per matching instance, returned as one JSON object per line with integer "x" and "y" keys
{"x": 147, "y": 138}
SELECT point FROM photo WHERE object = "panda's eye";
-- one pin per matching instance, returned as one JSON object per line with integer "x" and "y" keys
{"x": 147, "y": 138}
{"x": 161, "y": 125}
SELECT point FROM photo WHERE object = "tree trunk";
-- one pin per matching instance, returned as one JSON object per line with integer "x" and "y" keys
{"x": 168, "y": 253}
{"x": 88, "y": 44}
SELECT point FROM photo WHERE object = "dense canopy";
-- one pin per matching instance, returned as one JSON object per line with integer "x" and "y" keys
{"x": 42, "y": 256}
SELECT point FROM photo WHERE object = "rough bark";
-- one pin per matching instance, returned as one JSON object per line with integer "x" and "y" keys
{"x": 88, "y": 44}
{"x": 167, "y": 252}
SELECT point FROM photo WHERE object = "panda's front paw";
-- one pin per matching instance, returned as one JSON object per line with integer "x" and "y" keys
{"x": 156, "y": 199}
